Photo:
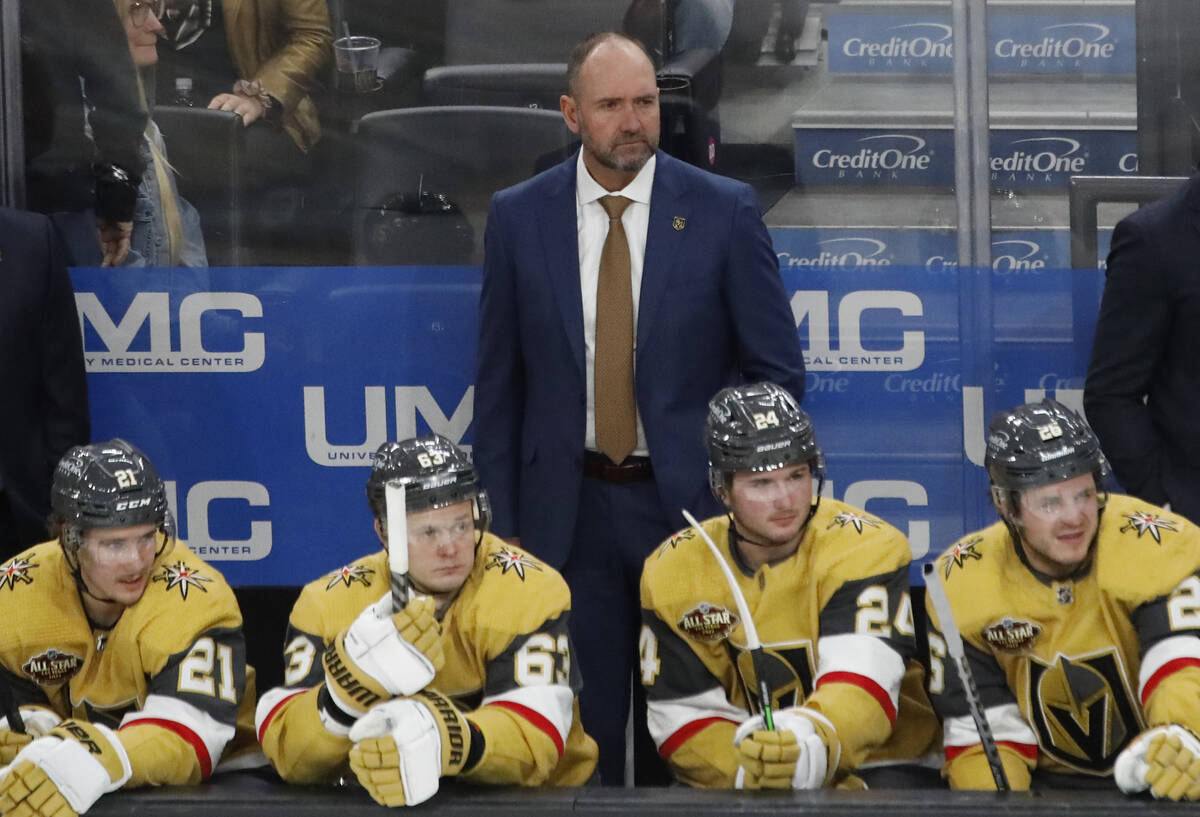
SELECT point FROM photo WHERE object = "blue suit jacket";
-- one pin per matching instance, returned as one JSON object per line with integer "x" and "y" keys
{"x": 45, "y": 408}
{"x": 713, "y": 312}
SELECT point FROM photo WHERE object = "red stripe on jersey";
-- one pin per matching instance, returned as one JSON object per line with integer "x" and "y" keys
{"x": 686, "y": 731}
{"x": 1165, "y": 670}
{"x": 187, "y": 734}
{"x": 262, "y": 730}
{"x": 868, "y": 685}
{"x": 1028, "y": 750}
{"x": 537, "y": 719}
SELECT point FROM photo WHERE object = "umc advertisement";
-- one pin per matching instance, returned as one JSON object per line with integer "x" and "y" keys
{"x": 261, "y": 393}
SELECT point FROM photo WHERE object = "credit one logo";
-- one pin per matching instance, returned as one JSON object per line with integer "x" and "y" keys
{"x": 154, "y": 308}
{"x": 848, "y": 253}
{"x": 1071, "y": 41}
{"x": 198, "y": 504}
{"x": 884, "y": 151}
{"x": 1040, "y": 154}
{"x": 371, "y": 424}
{"x": 850, "y": 354}
{"x": 1009, "y": 255}
{"x": 919, "y": 41}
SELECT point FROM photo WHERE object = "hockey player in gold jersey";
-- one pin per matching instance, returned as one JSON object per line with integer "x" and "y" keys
{"x": 124, "y": 649}
{"x": 827, "y": 585}
{"x": 1080, "y": 615}
{"x": 472, "y": 678}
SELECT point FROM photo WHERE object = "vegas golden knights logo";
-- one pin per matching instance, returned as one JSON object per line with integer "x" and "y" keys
{"x": 1082, "y": 710}
{"x": 788, "y": 670}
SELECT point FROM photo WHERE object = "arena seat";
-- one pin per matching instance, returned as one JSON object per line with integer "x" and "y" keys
{"x": 426, "y": 176}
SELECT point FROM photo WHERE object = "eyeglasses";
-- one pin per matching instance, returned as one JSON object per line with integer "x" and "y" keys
{"x": 140, "y": 11}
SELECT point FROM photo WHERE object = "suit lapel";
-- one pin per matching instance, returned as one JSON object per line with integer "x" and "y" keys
{"x": 560, "y": 247}
{"x": 664, "y": 242}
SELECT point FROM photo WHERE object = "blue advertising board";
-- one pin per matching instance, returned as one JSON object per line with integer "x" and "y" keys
{"x": 1019, "y": 159}
{"x": 1062, "y": 39}
{"x": 261, "y": 393}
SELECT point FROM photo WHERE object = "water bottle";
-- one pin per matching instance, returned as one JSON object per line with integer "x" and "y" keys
{"x": 183, "y": 92}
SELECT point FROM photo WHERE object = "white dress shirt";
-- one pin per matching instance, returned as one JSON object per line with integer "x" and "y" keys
{"x": 592, "y": 224}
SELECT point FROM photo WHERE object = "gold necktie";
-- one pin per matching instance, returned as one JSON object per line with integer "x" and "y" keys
{"x": 616, "y": 414}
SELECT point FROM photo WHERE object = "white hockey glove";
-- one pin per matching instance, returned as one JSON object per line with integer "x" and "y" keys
{"x": 38, "y": 721}
{"x": 1164, "y": 759}
{"x": 65, "y": 772}
{"x": 403, "y": 747}
{"x": 800, "y": 753}
{"x": 383, "y": 654}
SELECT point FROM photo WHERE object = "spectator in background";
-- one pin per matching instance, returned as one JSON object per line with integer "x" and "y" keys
{"x": 258, "y": 59}
{"x": 166, "y": 227}
{"x": 45, "y": 408}
{"x": 1143, "y": 383}
{"x": 74, "y": 59}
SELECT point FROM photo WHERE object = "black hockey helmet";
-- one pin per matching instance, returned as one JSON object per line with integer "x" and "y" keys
{"x": 757, "y": 427}
{"x": 435, "y": 473}
{"x": 108, "y": 485}
{"x": 1038, "y": 444}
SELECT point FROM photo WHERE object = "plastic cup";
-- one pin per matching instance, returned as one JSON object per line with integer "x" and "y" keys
{"x": 357, "y": 61}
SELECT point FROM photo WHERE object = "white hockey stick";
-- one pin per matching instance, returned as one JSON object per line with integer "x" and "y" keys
{"x": 397, "y": 529}
{"x": 954, "y": 645}
{"x": 752, "y": 642}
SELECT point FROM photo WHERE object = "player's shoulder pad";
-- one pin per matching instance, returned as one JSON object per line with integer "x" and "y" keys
{"x": 972, "y": 571}
{"x": 328, "y": 604}
{"x": 185, "y": 596}
{"x": 1142, "y": 550}
{"x": 38, "y": 572}
{"x": 853, "y": 543}
{"x": 504, "y": 570}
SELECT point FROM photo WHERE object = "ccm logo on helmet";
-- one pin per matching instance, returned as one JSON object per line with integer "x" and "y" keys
{"x": 133, "y": 504}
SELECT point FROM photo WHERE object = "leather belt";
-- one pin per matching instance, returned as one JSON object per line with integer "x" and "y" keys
{"x": 633, "y": 469}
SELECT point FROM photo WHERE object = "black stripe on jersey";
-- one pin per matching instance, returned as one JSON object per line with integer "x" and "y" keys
{"x": 23, "y": 690}
{"x": 188, "y": 671}
{"x": 550, "y": 643}
{"x": 678, "y": 672}
{"x": 332, "y": 710}
{"x": 841, "y": 615}
{"x": 951, "y": 702}
{"x": 316, "y": 668}
{"x": 1177, "y": 613}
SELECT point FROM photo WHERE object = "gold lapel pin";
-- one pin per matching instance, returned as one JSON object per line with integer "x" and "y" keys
{"x": 679, "y": 223}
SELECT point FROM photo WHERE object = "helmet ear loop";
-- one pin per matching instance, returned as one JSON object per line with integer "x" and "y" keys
{"x": 481, "y": 510}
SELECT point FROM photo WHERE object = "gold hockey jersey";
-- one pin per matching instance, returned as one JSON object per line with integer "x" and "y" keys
{"x": 170, "y": 674}
{"x": 508, "y": 667}
{"x": 835, "y": 620}
{"x": 1070, "y": 671}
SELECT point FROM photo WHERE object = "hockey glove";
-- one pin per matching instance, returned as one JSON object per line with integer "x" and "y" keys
{"x": 383, "y": 654}
{"x": 38, "y": 721}
{"x": 1164, "y": 759}
{"x": 65, "y": 772}
{"x": 402, "y": 748}
{"x": 800, "y": 753}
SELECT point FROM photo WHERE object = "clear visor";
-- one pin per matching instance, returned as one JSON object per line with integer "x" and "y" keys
{"x": 1061, "y": 501}
{"x": 114, "y": 548}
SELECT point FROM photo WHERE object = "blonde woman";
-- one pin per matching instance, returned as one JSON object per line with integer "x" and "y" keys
{"x": 166, "y": 227}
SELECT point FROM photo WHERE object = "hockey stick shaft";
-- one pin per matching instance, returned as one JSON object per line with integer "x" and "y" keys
{"x": 752, "y": 642}
{"x": 397, "y": 529}
{"x": 954, "y": 645}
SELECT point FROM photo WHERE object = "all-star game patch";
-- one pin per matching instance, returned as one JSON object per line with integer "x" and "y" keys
{"x": 16, "y": 571}
{"x": 52, "y": 667}
{"x": 182, "y": 576}
{"x": 350, "y": 574}
{"x": 708, "y": 622}
{"x": 507, "y": 560}
{"x": 1012, "y": 634}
